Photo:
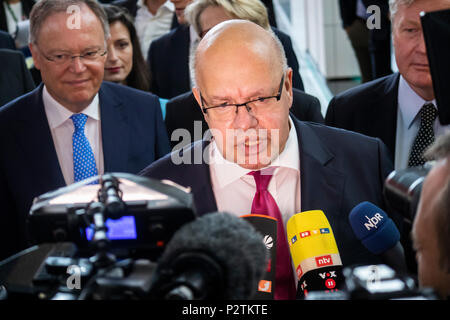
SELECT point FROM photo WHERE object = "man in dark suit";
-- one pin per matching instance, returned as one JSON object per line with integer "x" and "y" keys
{"x": 168, "y": 59}
{"x": 15, "y": 78}
{"x": 72, "y": 126}
{"x": 390, "y": 108}
{"x": 183, "y": 112}
{"x": 238, "y": 67}
{"x": 372, "y": 46}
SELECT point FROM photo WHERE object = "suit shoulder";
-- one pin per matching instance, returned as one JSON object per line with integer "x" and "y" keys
{"x": 175, "y": 163}
{"x": 162, "y": 42}
{"x": 18, "y": 106}
{"x": 370, "y": 90}
{"x": 304, "y": 97}
{"x": 341, "y": 138}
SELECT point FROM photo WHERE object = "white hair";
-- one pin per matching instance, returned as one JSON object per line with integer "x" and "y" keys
{"x": 393, "y": 6}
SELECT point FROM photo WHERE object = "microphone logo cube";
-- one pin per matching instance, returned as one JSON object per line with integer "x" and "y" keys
{"x": 323, "y": 261}
{"x": 265, "y": 286}
{"x": 305, "y": 234}
{"x": 299, "y": 271}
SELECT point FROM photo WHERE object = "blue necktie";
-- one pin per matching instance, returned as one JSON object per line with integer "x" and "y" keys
{"x": 83, "y": 157}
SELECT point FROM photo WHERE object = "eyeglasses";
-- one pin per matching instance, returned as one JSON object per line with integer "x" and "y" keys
{"x": 64, "y": 58}
{"x": 228, "y": 111}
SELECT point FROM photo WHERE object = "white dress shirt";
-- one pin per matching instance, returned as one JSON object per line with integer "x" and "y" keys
{"x": 62, "y": 128}
{"x": 151, "y": 26}
{"x": 234, "y": 189}
{"x": 11, "y": 23}
{"x": 408, "y": 122}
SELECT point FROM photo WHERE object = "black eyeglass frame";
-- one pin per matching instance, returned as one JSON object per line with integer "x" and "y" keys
{"x": 237, "y": 105}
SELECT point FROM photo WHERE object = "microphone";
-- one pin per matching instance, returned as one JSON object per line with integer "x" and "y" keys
{"x": 315, "y": 253}
{"x": 216, "y": 256}
{"x": 267, "y": 226}
{"x": 378, "y": 234}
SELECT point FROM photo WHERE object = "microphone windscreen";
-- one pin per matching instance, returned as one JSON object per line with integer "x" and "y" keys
{"x": 311, "y": 241}
{"x": 229, "y": 240}
{"x": 377, "y": 232}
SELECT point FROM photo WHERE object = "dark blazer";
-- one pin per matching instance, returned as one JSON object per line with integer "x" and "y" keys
{"x": 133, "y": 136}
{"x": 27, "y": 5}
{"x": 338, "y": 170}
{"x": 183, "y": 110}
{"x": 6, "y": 41}
{"x": 370, "y": 109}
{"x": 15, "y": 79}
{"x": 168, "y": 60}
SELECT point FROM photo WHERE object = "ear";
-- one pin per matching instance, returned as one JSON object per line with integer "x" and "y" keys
{"x": 288, "y": 85}
{"x": 36, "y": 56}
{"x": 196, "y": 93}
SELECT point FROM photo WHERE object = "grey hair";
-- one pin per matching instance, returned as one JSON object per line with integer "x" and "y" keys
{"x": 393, "y": 6}
{"x": 45, "y": 8}
{"x": 278, "y": 46}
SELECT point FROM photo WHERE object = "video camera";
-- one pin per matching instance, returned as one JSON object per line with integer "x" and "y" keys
{"x": 402, "y": 190}
{"x": 97, "y": 241}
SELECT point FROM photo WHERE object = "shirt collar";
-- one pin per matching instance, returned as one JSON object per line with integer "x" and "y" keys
{"x": 227, "y": 172}
{"x": 57, "y": 114}
{"x": 409, "y": 102}
{"x": 166, "y": 5}
{"x": 193, "y": 35}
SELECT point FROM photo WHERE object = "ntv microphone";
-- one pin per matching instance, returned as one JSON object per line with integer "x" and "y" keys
{"x": 378, "y": 234}
{"x": 314, "y": 253}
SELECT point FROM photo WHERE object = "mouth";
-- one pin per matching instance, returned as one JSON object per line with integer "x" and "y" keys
{"x": 113, "y": 69}
{"x": 77, "y": 82}
{"x": 421, "y": 66}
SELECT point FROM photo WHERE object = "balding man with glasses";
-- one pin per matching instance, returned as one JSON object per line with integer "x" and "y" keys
{"x": 259, "y": 159}
{"x": 74, "y": 125}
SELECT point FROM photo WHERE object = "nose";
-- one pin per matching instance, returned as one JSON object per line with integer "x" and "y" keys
{"x": 77, "y": 65}
{"x": 112, "y": 56}
{"x": 244, "y": 119}
{"x": 421, "y": 45}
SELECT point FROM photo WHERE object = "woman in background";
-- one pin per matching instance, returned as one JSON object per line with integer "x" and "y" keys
{"x": 125, "y": 63}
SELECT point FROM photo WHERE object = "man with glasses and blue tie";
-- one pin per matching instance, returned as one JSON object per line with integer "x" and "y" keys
{"x": 73, "y": 126}
{"x": 259, "y": 159}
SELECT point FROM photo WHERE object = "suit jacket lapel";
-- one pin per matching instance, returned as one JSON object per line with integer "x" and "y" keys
{"x": 115, "y": 131}
{"x": 321, "y": 185}
{"x": 382, "y": 119}
{"x": 35, "y": 140}
{"x": 200, "y": 181}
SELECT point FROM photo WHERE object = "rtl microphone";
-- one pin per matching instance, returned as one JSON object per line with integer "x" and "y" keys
{"x": 315, "y": 253}
{"x": 216, "y": 256}
{"x": 378, "y": 234}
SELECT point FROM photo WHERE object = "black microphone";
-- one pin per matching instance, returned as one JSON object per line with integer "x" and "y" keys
{"x": 378, "y": 234}
{"x": 217, "y": 256}
{"x": 111, "y": 196}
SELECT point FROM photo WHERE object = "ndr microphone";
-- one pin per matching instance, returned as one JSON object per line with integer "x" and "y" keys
{"x": 378, "y": 234}
{"x": 314, "y": 253}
